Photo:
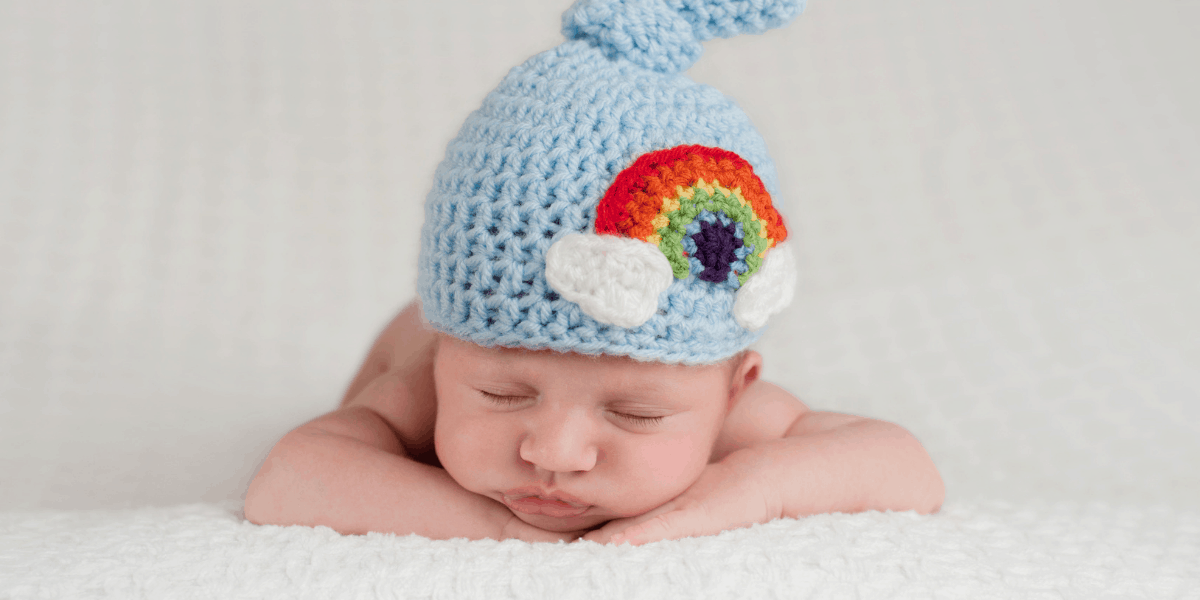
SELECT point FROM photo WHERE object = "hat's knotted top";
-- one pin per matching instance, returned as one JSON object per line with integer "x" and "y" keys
{"x": 665, "y": 35}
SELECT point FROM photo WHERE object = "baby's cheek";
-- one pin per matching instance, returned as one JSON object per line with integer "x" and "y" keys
{"x": 669, "y": 466}
{"x": 465, "y": 450}
{"x": 670, "y": 460}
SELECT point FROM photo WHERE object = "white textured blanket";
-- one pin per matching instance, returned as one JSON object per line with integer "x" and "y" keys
{"x": 209, "y": 207}
{"x": 977, "y": 552}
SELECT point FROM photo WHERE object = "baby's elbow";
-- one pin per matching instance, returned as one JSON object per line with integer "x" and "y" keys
{"x": 925, "y": 489}
{"x": 253, "y": 509}
{"x": 931, "y": 490}
{"x": 261, "y": 506}
{"x": 267, "y": 497}
{"x": 935, "y": 493}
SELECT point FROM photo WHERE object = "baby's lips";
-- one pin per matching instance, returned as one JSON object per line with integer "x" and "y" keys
{"x": 537, "y": 492}
{"x": 538, "y": 502}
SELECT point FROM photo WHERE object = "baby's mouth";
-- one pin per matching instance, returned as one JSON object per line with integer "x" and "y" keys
{"x": 537, "y": 502}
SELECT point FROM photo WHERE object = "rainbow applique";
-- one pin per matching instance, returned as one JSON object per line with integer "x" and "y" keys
{"x": 704, "y": 208}
{"x": 673, "y": 214}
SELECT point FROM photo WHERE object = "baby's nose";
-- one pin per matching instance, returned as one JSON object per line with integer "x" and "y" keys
{"x": 560, "y": 443}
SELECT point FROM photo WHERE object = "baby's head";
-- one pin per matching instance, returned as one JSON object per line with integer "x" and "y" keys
{"x": 603, "y": 222}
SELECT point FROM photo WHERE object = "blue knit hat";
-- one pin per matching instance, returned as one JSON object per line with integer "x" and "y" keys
{"x": 601, "y": 202}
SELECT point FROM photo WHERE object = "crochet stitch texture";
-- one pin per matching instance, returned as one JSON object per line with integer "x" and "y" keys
{"x": 531, "y": 165}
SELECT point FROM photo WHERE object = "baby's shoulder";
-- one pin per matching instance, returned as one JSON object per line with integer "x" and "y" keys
{"x": 396, "y": 381}
{"x": 763, "y": 412}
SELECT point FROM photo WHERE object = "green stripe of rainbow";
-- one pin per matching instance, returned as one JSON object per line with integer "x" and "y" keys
{"x": 662, "y": 192}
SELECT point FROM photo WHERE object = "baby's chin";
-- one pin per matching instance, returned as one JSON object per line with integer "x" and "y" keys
{"x": 565, "y": 524}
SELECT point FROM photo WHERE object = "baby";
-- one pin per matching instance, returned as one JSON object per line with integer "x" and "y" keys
{"x": 600, "y": 248}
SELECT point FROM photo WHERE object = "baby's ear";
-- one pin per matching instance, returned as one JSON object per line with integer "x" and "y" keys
{"x": 747, "y": 367}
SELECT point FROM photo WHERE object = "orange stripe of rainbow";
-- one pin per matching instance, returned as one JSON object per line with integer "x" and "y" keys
{"x": 652, "y": 185}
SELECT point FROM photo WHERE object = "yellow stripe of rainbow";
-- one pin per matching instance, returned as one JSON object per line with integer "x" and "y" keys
{"x": 657, "y": 195}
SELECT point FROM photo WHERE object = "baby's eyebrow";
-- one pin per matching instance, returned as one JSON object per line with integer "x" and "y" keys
{"x": 511, "y": 375}
{"x": 652, "y": 408}
{"x": 649, "y": 394}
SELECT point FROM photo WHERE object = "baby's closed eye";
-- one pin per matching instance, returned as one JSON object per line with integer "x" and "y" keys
{"x": 641, "y": 420}
{"x": 634, "y": 417}
{"x": 507, "y": 400}
{"x": 638, "y": 413}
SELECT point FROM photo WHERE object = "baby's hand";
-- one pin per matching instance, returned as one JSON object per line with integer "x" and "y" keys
{"x": 729, "y": 494}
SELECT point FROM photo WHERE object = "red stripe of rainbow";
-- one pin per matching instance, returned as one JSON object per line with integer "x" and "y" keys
{"x": 636, "y": 203}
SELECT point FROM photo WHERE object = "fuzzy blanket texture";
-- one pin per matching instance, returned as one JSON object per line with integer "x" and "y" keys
{"x": 996, "y": 551}
{"x": 208, "y": 208}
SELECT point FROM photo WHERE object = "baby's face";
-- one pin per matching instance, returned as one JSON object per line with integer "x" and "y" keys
{"x": 570, "y": 441}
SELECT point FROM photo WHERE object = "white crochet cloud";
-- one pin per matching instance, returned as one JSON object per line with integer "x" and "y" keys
{"x": 769, "y": 290}
{"x": 615, "y": 280}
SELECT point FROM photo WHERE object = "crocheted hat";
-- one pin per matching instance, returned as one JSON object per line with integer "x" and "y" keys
{"x": 601, "y": 202}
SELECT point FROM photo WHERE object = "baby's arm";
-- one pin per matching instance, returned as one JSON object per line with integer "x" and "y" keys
{"x": 354, "y": 470}
{"x": 776, "y": 458}
{"x": 831, "y": 462}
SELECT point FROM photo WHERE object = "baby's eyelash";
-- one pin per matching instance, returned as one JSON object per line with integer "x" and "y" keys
{"x": 505, "y": 400}
{"x": 638, "y": 420}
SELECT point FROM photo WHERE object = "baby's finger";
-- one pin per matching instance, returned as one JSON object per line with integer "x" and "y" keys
{"x": 604, "y": 534}
{"x": 600, "y": 536}
{"x": 667, "y": 526}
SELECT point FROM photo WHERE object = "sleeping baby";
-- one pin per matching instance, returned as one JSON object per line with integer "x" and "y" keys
{"x": 600, "y": 249}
